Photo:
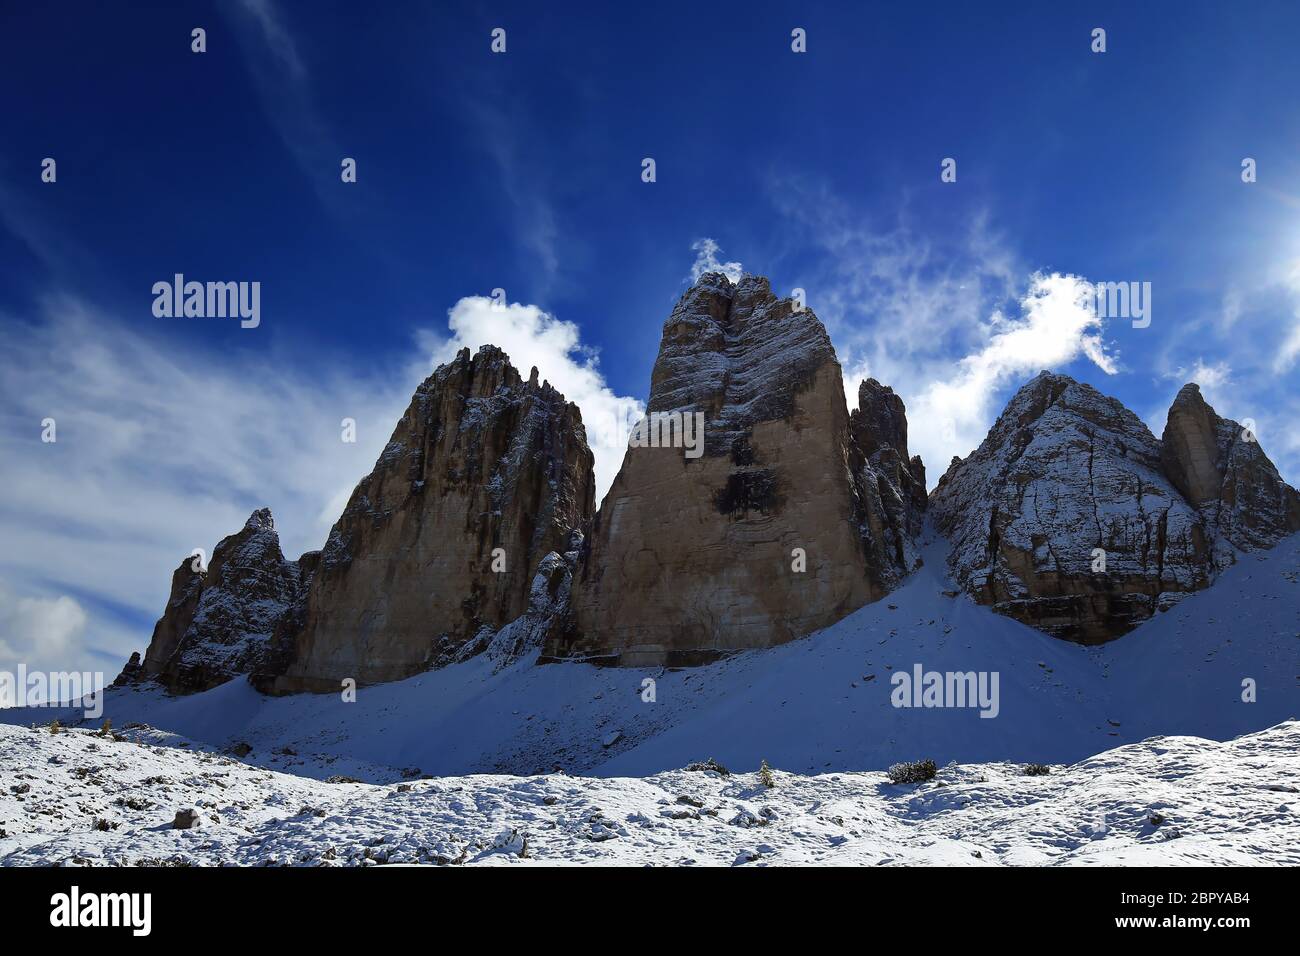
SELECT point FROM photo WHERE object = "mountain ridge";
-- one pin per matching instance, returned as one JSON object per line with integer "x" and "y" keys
{"x": 477, "y": 529}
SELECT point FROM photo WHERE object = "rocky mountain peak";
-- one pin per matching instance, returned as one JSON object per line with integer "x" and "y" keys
{"x": 752, "y": 508}
{"x": 260, "y": 520}
{"x": 1220, "y": 468}
{"x": 484, "y": 475}
{"x": 220, "y": 621}
{"x": 1074, "y": 518}
{"x": 787, "y": 528}
{"x": 737, "y": 354}
{"x": 879, "y": 405}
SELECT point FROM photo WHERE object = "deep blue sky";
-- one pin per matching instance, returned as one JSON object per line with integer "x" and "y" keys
{"x": 1118, "y": 164}
{"x": 522, "y": 171}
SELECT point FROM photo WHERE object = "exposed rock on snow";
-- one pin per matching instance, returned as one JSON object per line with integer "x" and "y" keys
{"x": 889, "y": 484}
{"x": 185, "y": 819}
{"x": 1067, "y": 470}
{"x": 692, "y": 558}
{"x": 1220, "y": 469}
{"x": 1165, "y": 801}
{"x": 486, "y": 477}
{"x": 222, "y": 622}
{"x": 481, "y": 460}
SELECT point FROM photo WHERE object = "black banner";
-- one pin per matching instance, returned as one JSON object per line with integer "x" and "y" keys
{"x": 213, "y": 906}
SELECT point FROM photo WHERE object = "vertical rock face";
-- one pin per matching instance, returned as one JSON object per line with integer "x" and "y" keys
{"x": 1066, "y": 471}
{"x": 758, "y": 539}
{"x": 1220, "y": 469}
{"x": 485, "y": 474}
{"x": 182, "y": 602}
{"x": 891, "y": 485}
{"x": 222, "y": 622}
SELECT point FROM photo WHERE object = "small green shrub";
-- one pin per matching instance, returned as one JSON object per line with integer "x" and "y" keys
{"x": 914, "y": 771}
{"x": 765, "y": 775}
{"x": 708, "y": 766}
{"x": 1037, "y": 770}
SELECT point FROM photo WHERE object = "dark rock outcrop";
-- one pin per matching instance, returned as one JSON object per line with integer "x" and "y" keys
{"x": 221, "y": 622}
{"x": 182, "y": 602}
{"x": 890, "y": 485}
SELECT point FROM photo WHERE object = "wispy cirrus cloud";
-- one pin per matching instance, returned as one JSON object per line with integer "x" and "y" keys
{"x": 1289, "y": 349}
{"x": 285, "y": 91}
{"x": 160, "y": 449}
{"x": 503, "y": 134}
{"x": 951, "y": 322}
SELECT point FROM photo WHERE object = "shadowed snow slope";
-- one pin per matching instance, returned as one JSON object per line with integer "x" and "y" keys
{"x": 815, "y": 705}
{"x": 76, "y": 798}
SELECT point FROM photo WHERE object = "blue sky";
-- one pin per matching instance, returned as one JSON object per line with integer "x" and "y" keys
{"x": 522, "y": 171}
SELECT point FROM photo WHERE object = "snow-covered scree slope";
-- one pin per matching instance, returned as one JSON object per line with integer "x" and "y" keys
{"x": 815, "y": 705}
{"x": 81, "y": 799}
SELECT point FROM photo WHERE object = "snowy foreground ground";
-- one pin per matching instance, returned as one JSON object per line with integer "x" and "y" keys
{"x": 81, "y": 799}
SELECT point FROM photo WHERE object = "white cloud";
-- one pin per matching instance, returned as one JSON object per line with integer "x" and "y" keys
{"x": 706, "y": 260}
{"x": 42, "y": 633}
{"x": 950, "y": 413}
{"x": 533, "y": 337}
{"x": 951, "y": 319}
{"x": 162, "y": 449}
{"x": 1208, "y": 376}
